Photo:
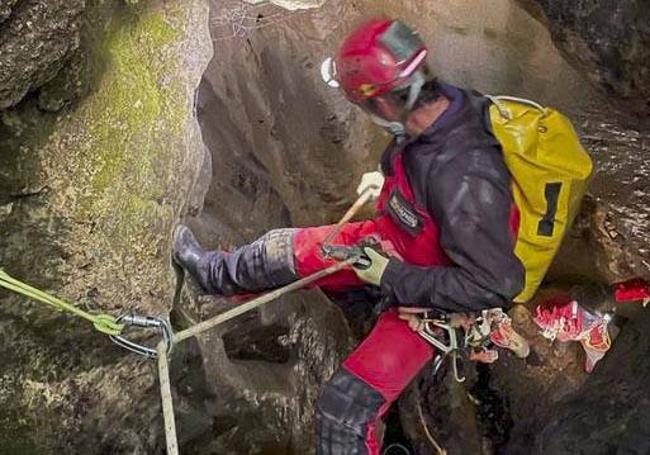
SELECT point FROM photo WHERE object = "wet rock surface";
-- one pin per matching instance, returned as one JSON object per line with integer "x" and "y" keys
{"x": 609, "y": 41}
{"x": 609, "y": 240}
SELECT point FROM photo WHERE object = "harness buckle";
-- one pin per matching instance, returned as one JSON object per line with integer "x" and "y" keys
{"x": 162, "y": 325}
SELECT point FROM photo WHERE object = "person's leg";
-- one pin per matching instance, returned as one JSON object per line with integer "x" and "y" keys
{"x": 266, "y": 263}
{"x": 277, "y": 258}
{"x": 353, "y": 401}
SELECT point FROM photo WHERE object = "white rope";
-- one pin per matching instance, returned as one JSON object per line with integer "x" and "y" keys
{"x": 167, "y": 403}
{"x": 432, "y": 440}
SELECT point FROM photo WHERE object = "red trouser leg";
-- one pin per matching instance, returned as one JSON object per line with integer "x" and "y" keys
{"x": 372, "y": 378}
{"x": 388, "y": 360}
{"x": 379, "y": 369}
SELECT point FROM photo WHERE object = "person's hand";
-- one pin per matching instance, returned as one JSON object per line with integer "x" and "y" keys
{"x": 413, "y": 316}
{"x": 372, "y": 182}
{"x": 373, "y": 273}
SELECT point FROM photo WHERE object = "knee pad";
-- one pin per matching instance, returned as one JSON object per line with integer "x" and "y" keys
{"x": 346, "y": 407}
{"x": 278, "y": 254}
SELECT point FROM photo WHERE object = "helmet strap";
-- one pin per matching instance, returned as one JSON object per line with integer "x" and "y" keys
{"x": 397, "y": 129}
{"x": 417, "y": 82}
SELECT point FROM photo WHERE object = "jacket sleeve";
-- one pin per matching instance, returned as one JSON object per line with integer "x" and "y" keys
{"x": 471, "y": 201}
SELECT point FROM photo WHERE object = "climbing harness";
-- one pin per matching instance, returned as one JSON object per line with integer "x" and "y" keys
{"x": 104, "y": 323}
{"x": 491, "y": 327}
{"x": 161, "y": 324}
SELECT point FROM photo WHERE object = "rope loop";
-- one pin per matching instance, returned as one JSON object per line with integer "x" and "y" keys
{"x": 107, "y": 324}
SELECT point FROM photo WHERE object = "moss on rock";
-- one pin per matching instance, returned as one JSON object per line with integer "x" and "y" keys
{"x": 89, "y": 196}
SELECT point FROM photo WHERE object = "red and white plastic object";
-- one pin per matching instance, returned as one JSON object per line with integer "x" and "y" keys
{"x": 564, "y": 319}
{"x": 505, "y": 336}
{"x": 633, "y": 290}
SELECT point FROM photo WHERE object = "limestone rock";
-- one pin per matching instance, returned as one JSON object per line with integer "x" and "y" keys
{"x": 5, "y": 9}
{"x": 36, "y": 40}
{"x": 609, "y": 41}
{"x": 93, "y": 193}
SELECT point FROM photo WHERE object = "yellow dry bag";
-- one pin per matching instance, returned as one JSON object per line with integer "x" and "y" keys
{"x": 550, "y": 171}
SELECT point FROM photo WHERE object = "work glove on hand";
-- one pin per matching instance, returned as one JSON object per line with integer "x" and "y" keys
{"x": 373, "y": 273}
{"x": 372, "y": 182}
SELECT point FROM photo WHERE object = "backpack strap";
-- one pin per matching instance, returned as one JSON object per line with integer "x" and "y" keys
{"x": 497, "y": 101}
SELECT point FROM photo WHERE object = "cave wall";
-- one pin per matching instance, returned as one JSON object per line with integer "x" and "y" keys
{"x": 290, "y": 151}
{"x": 608, "y": 40}
{"x": 89, "y": 196}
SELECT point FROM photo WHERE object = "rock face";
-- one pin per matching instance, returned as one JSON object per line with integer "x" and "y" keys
{"x": 263, "y": 372}
{"x": 609, "y": 240}
{"x": 610, "y": 412}
{"x": 609, "y": 41}
{"x": 89, "y": 197}
{"x": 37, "y": 39}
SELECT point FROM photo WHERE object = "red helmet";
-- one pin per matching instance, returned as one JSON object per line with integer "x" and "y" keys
{"x": 378, "y": 57}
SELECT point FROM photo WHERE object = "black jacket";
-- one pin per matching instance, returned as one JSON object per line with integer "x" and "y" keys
{"x": 456, "y": 170}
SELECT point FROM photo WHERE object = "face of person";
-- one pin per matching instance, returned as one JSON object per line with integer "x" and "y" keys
{"x": 384, "y": 107}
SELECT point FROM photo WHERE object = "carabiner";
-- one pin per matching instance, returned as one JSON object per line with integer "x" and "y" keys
{"x": 132, "y": 320}
{"x": 429, "y": 332}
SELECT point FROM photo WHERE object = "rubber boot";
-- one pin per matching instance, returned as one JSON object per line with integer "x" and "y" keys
{"x": 188, "y": 254}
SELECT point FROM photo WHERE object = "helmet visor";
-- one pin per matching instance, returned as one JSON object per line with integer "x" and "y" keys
{"x": 402, "y": 41}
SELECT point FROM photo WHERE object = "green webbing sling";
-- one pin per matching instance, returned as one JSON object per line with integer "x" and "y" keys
{"x": 104, "y": 323}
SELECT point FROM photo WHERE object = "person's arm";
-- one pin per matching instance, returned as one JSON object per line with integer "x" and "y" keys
{"x": 472, "y": 204}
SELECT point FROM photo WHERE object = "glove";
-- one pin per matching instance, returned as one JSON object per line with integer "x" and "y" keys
{"x": 373, "y": 273}
{"x": 372, "y": 182}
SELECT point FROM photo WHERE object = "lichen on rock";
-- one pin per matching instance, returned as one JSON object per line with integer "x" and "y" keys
{"x": 93, "y": 192}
